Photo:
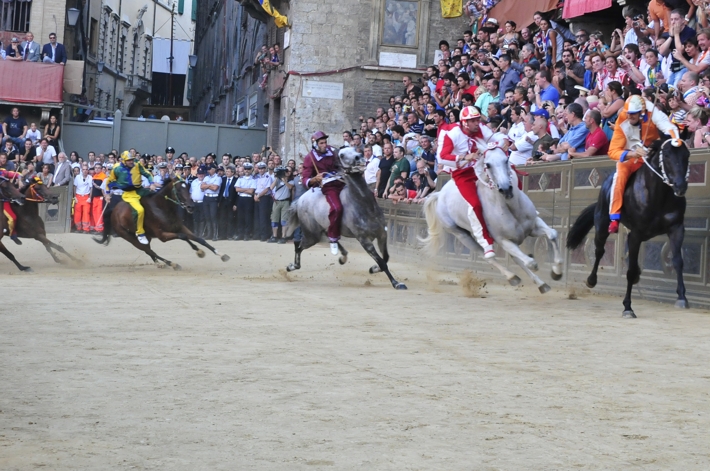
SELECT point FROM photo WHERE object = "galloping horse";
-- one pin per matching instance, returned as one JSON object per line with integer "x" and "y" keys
{"x": 654, "y": 204}
{"x": 161, "y": 222}
{"x": 509, "y": 213}
{"x": 8, "y": 192}
{"x": 29, "y": 224}
{"x": 362, "y": 217}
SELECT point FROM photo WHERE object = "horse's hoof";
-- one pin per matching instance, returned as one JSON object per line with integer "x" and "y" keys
{"x": 292, "y": 267}
{"x": 343, "y": 260}
{"x": 176, "y": 266}
{"x": 26, "y": 269}
{"x": 374, "y": 269}
{"x": 682, "y": 304}
{"x": 629, "y": 314}
{"x": 544, "y": 288}
{"x": 556, "y": 276}
{"x": 400, "y": 286}
{"x": 532, "y": 265}
{"x": 225, "y": 258}
{"x": 515, "y": 281}
{"x": 160, "y": 265}
{"x": 200, "y": 253}
{"x": 591, "y": 282}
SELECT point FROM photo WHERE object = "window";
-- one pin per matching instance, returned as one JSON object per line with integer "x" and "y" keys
{"x": 400, "y": 23}
{"x": 121, "y": 52}
{"x": 252, "y": 110}
{"x": 15, "y": 16}
{"x": 94, "y": 37}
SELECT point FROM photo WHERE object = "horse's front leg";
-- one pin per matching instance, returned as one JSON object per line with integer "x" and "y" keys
{"x": 12, "y": 258}
{"x": 465, "y": 238}
{"x": 297, "y": 249}
{"x": 515, "y": 252}
{"x": 676, "y": 236}
{"x": 633, "y": 273}
{"x": 541, "y": 285}
{"x": 187, "y": 234}
{"x": 541, "y": 229}
{"x": 370, "y": 249}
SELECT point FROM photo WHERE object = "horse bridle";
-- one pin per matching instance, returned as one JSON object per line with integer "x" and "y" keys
{"x": 489, "y": 182}
{"x": 175, "y": 195}
{"x": 34, "y": 196}
{"x": 662, "y": 175}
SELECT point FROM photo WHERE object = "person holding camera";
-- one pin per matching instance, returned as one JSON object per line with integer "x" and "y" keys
{"x": 281, "y": 189}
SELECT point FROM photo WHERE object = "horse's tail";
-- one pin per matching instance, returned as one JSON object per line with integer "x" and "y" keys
{"x": 106, "y": 234}
{"x": 292, "y": 218}
{"x": 435, "y": 239}
{"x": 581, "y": 227}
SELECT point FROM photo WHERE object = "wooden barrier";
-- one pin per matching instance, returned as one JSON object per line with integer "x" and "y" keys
{"x": 560, "y": 192}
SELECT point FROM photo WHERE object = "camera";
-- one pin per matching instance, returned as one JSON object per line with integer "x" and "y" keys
{"x": 676, "y": 66}
{"x": 636, "y": 24}
{"x": 280, "y": 172}
{"x": 537, "y": 155}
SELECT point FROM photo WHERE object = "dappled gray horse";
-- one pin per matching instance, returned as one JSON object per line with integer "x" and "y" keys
{"x": 362, "y": 217}
{"x": 509, "y": 213}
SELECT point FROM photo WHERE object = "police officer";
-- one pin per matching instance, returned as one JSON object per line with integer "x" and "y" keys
{"x": 263, "y": 201}
{"x": 169, "y": 154}
{"x": 162, "y": 175}
{"x": 210, "y": 185}
{"x": 245, "y": 186}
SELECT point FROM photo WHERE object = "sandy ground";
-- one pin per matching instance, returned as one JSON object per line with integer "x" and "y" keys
{"x": 238, "y": 366}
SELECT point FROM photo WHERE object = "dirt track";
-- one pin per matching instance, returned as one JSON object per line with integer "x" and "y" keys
{"x": 238, "y": 366}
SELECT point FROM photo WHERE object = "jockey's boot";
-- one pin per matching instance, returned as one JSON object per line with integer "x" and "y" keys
{"x": 142, "y": 239}
{"x": 614, "y": 227}
{"x": 334, "y": 248}
{"x": 15, "y": 239}
{"x": 489, "y": 253}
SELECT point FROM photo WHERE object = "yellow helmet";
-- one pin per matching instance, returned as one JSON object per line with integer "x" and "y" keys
{"x": 125, "y": 156}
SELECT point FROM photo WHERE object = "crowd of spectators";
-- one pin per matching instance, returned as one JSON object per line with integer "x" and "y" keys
{"x": 30, "y": 51}
{"x": 267, "y": 59}
{"x": 554, "y": 92}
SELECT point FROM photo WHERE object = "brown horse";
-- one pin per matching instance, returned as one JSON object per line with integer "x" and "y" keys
{"x": 9, "y": 193}
{"x": 162, "y": 221}
{"x": 29, "y": 224}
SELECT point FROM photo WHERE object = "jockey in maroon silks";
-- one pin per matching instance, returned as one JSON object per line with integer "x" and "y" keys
{"x": 7, "y": 209}
{"x": 320, "y": 167}
{"x": 459, "y": 151}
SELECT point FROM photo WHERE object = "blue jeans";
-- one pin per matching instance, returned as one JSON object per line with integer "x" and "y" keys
{"x": 18, "y": 141}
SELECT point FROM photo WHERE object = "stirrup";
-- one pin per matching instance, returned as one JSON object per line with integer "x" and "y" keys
{"x": 334, "y": 248}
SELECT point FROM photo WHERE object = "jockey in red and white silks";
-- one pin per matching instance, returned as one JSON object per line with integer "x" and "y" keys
{"x": 458, "y": 150}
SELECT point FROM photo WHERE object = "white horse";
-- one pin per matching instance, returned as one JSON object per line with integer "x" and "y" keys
{"x": 509, "y": 214}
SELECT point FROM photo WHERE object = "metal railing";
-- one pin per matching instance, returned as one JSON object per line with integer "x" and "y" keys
{"x": 15, "y": 16}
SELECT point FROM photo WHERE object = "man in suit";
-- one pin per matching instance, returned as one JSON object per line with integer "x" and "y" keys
{"x": 54, "y": 52}
{"x": 31, "y": 51}
{"x": 63, "y": 171}
{"x": 227, "y": 205}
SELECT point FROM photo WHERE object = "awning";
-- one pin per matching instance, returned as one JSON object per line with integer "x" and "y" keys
{"x": 520, "y": 11}
{"x": 575, "y": 8}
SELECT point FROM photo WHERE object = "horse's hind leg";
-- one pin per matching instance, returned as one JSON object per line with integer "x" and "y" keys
{"x": 382, "y": 244}
{"x": 465, "y": 238}
{"x": 297, "y": 249}
{"x": 131, "y": 237}
{"x": 543, "y": 229}
{"x": 633, "y": 273}
{"x": 599, "y": 248}
{"x": 541, "y": 285}
{"x": 187, "y": 235}
{"x": 381, "y": 263}
{"x": 676, "y": 238}
{"x": 49, "y": 245}
{"x": 12, "y": 258}
{"x": 343, "y": 254}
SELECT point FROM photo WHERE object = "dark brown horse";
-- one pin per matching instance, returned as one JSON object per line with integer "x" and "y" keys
{"x": 162, "y": 221}
{"x": 29, "y": 224}
{"x": 9, "y": 193}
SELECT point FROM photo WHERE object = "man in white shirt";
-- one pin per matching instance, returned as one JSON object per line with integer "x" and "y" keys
{"x": 372, "y": 164}
{"x": 83, "y": 183}
{"x": 517, "y": 130}
{"x": 245, "y": 186}
{"x": 47, "y": 155}
{"x": 211, "y": 185}
{"x": 521, "y": 149}
{"x": 197, "y": 194}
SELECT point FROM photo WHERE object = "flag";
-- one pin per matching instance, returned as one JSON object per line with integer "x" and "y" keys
{"x": 451, "y": 8}
{"x": 280, "y": 20}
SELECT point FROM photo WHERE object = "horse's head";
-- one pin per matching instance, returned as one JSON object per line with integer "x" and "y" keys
{"x": 181, "y": 193}
{"x": 493, "y": 167}
{"x": 37, "y": 192}
{"x": 8, "y": 191}
{"x": 672, "y": 159}
{"x": 351, "y": 160}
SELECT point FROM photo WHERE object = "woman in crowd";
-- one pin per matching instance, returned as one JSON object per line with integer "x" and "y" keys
{"x": 52, "y": 131}
{"x": 697, "y": 122}
{"x": 45, "y": 176}
{"x": 510, "y": 34}
{"x": 609, "y": 107}
{"x": 29, "y": 171}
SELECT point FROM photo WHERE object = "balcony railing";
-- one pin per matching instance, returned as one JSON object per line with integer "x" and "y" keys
{"x": 136, "y": 82}
{"x": 15, "y": 15}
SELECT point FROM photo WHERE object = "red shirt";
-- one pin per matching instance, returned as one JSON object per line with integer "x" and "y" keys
{"x": 471, "y": 90}
{"x": 598, "y": 140}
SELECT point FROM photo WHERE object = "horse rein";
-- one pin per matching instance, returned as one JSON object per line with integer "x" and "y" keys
{"x": 177, "y": 199}
{"x": 489, "y": 181}
{"x": 662, "y": 175}
{"x": 35, "y": 197}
